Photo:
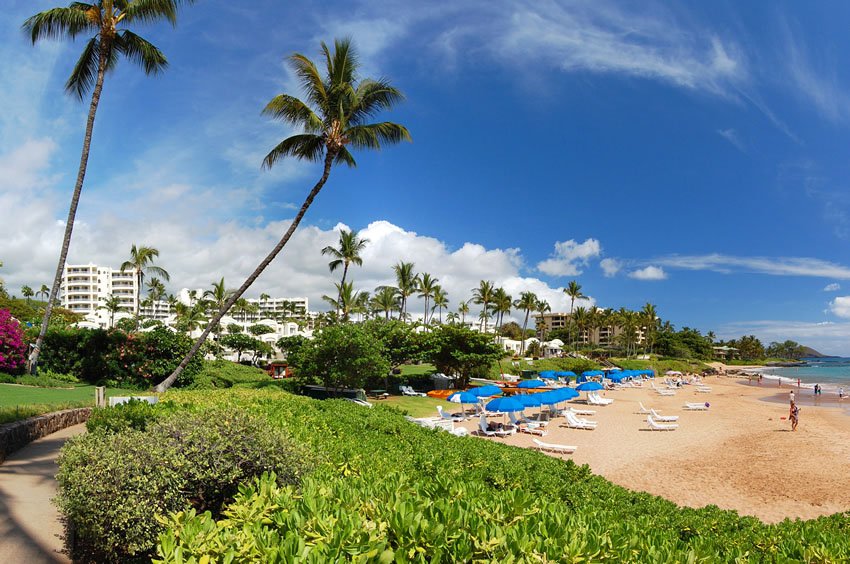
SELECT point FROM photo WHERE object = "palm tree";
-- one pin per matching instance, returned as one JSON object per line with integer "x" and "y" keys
{"x": 543, "y": 308}
{"x": 342, "y": 105}
{"x": 44, "y": 292}
{"x": 107, "y": 21}
{"x": 385, "y": 300}
{"x": 112, "y": 304}
{"x": 348, "y": 301}
{"x": 451, "y": 317}
{"x": 502, "y": 303}
{"x": 527, "y": 302}
{"x": 581, "y": 317}
{"x": 441, "y": 301}
{"x": 483, "y": 295}
{"x": 573, "y": 290}
{"x": 27, "y": 292}
{"x": 650, "y": 319}
{"x": 426, "y": 287}
{"x": 348, "y": 252}
{"x": 463, "y": 309}
{"x": 406, "y": 283}
{"x": 140, "y": 263}
{"x": 216, "y": 300}
{"x": 189, "y": 318}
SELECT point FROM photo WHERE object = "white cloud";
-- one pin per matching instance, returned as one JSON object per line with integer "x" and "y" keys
{"x": 840, "y": 306}
{"x": 569, "y": 257}
{"x": 834, "y": 287}
{"x": 648, "y": 273}
{"x": 610, "y": 267}
{"x": 732, "y": 136}
{"x": 775, "y": 266}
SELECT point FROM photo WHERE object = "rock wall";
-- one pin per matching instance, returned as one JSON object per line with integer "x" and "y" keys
{"x": 20, "y": 433}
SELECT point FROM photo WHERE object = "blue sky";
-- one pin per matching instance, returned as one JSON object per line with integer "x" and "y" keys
{"x": 696, "y": 151}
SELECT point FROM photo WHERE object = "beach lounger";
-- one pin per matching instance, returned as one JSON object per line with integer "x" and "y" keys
{"x": 532, "y": 429}
{"x": 703, "y": 390}
{"x": 449, "y": 416}
{"x": 663, "y": 418}
{"x": 574, "y": 422}
{"x": 642, "y": 410}
{"x": 663, "y": 392}
{"x": 582, "y": 411}
{"x": 540, "y": 445}
{"x": 482, "y": 428}
{"x": 696, "y": 406}
{"x": 594, "y": 399}
{"x": 656, "y": 426}
{"x": 408, "y": 391}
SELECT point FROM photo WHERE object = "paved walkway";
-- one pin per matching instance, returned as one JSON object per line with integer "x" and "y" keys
{"x": 30, "y": 530}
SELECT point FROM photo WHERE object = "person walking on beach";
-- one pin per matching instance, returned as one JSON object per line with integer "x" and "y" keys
{"x": 794, "y": 416}
{"x": 791, "y": 396}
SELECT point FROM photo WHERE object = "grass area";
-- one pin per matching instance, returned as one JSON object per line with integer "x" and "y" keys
{"x": 20, "y": 402}
{"x": 418, "y": 369}
{"x": 414, "y": 406}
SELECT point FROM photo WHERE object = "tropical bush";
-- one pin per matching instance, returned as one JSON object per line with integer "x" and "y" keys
{"x": 341, "y": 356}
{"x": 386, "y": 490}
{"x": 115, "y": 480}
{"x": 12, "y": 347}
{"x": 134, "y": 414}
{"x": 226, "y": 374}
{"x": 115, "y": 358}
{"x": 48, "y": 379}
{"x": 456, "y": 350}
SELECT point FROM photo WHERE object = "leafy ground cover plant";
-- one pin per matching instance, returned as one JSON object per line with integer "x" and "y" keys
{"x": 386, "y": 490}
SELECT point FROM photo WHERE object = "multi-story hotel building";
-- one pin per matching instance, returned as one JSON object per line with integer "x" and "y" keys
{"x": 85, "y": 288}
{"x": 603, "y": 336}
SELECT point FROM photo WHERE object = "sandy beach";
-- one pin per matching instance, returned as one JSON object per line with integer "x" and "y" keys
{"x": 739, "y": 454}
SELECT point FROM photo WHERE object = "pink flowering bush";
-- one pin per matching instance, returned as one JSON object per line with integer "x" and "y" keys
{"x": 12, "y": 347}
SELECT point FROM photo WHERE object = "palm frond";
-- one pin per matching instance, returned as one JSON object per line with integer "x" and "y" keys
{"x": 161, "y": 272}
{"x": 140, "y": 51}
{"x": 342, "y": 68}
{"x": 310, "y": 80}
{"x": 85, "y": 71}
{"x": 292, "y": 110}
{"x": 373, "y": 135}
{"x": 344, "y": 157}
{"x": 59, "y": 22}
{"x": 373, "y": 96}
{"x": 306, "y": 146}
{"x": 151, "y": 10}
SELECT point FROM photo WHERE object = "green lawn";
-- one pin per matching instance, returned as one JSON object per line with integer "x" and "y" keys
{"x": 417, "y": 369}
{"x": 414, "y": 406}
{"x": 20, "y": 402}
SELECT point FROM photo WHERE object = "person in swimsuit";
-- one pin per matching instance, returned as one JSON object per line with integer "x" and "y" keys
{"x": 794, "y": 416}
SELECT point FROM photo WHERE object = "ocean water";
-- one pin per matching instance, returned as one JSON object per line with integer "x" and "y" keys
{"x": 831, "y": 373}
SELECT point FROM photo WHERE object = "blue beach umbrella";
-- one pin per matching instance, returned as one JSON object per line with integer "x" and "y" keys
{"x": 530, "y": 384}
{"x": 504, "y": 405}
{"x": 567, "y": 393}
{"x": 529, "y": 400}
{"x": 588, "y": 373}
{"x": 463, "y": 397}
{"x": 486, "y": 391}
{"x": 548, "y": 375}
{"x": 550, "y": 398}
{"x": 589, "y": 387}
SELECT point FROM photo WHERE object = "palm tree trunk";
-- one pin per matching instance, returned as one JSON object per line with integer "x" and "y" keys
{"x": 72, "y": 211}
{"x": 168, "y": 382}
{"x": 522, "y": 338}
{"x": 341, "y": 284}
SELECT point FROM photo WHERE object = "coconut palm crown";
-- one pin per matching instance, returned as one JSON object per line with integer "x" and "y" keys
{"x": 334, "y": 118}
{"x": 106, "y": 24}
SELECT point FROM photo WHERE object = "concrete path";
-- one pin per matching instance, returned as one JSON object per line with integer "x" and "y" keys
{"x": 30, "y": 530}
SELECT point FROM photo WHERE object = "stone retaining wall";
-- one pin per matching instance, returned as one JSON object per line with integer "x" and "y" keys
{"x": 20, "y": 433}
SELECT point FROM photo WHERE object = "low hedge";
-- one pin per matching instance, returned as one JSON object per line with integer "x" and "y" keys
{"x": 116, "y": 479}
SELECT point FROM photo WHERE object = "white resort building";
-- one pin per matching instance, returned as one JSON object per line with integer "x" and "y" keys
{"x": 86, "y": 287}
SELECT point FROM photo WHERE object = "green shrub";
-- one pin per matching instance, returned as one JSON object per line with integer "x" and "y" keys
{"x": 226, "y": 374}
{"x": 134, "y": 414}
{"x": 7, "y": 379}
{"x": 386, "y": 489}
{"x": 112, "y": 485}
{"x": 48, "y": 379}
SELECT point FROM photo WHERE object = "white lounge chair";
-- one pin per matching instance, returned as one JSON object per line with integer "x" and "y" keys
{"x": 656, "y": 426}
{"x": 482, "y": 428}
{"x": 408, "y": 391}
{"x": 703, "y": 390}
{"x": 663, "y": 418}
{"x": 540, "y": 445}
{"x": 582, "y": 411}
{"x": 662, "y": 391}
{"x": 690, "y": 406}
{"x": 532, "y": 429}
{"x": 594, "y": 399}
{"x": 574, "y": 422}
{"x": 642, "y": 410}
{"x": 449, "y": 416}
